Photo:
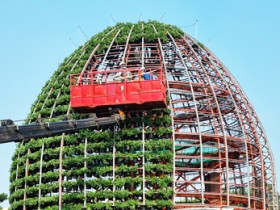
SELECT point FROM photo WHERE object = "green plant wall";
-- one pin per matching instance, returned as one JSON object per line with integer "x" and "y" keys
{"x": 80, "y": 165}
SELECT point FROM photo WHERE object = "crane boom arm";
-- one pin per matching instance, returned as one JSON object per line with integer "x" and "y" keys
{"x": 10, "y": 132}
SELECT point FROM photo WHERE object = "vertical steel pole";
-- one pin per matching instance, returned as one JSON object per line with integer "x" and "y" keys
{"x": 25, "y": 184}
{"x": 143, "y": 160}
{"x": 60, "y": 171}
{"x": 85, "y": 175}
{"x": 114, "y": 163}
{"x": 40, "y": 178}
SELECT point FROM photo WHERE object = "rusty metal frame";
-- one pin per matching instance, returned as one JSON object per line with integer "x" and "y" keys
{"x": 218, "y": 117}
{"x": 244, "y": 157}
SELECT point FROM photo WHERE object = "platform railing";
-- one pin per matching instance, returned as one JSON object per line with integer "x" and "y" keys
{"x": 119, "y": 75}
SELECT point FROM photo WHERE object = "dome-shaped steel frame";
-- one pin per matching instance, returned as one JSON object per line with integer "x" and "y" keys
{"x": 221, "y": 156}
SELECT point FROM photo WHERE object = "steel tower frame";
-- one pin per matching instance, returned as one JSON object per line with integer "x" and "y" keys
{"x": 222, "y": 158}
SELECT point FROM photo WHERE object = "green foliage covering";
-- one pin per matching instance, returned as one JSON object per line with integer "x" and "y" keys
{"x": 99, "y": 160}
{"x": 96, "y": 164}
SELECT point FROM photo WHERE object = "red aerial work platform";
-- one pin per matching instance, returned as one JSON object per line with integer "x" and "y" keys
{"x": 129, "y": 89}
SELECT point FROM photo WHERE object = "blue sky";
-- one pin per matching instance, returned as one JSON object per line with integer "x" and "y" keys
{"x": 35, "y": 38}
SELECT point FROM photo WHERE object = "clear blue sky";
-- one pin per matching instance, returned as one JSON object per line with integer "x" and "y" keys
{"x": 35, "y": 38}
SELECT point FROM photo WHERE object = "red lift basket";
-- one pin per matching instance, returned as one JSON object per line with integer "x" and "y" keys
{"x": 128, "y": 89}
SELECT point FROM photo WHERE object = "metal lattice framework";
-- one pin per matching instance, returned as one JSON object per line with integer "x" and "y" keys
{"x": 221, "y": 156}
{"x": 221, "y": 150}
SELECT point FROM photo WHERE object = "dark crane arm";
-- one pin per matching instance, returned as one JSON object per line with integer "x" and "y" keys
{"x": 9, "y": 132}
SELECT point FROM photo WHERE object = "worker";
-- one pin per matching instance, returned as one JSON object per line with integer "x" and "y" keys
{"x": 147, "y": 75}
{"x": 119, "y": 76}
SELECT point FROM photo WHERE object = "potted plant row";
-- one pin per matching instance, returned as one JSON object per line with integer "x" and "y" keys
{"x": 50, "y": 176}
{"x": 159, "y": 157}
{"x": 158, "y": 144}
{"x": 17, "y": 195}
{"x": 100, "y": 206}
{"x": 99, "y": 184}
{"x": 100, "y": 147}
{"x": 18, "y": 183}
{"x": 152, "y": 204}
{"x": 159, "y": 168}
{"x": 99, "y": 195}
{"x": 16, "y": 205}
{"x": 96, "y": 136}
{"x": 161, "y": 182}
{"x": 154, "y": 194}
{"x": 128, "y": 204}
{"x": 47, "y": 201}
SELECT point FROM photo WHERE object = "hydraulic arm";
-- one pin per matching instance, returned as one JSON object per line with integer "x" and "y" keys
{"x": 9, "y": 132}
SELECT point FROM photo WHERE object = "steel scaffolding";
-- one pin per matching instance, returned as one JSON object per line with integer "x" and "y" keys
{"x": 221, "y": 153}
{"x": 222, "y": 157}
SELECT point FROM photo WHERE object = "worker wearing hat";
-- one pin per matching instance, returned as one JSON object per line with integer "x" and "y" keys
{"x": 119, "y": 76}
{"x": 147, "y": 75}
